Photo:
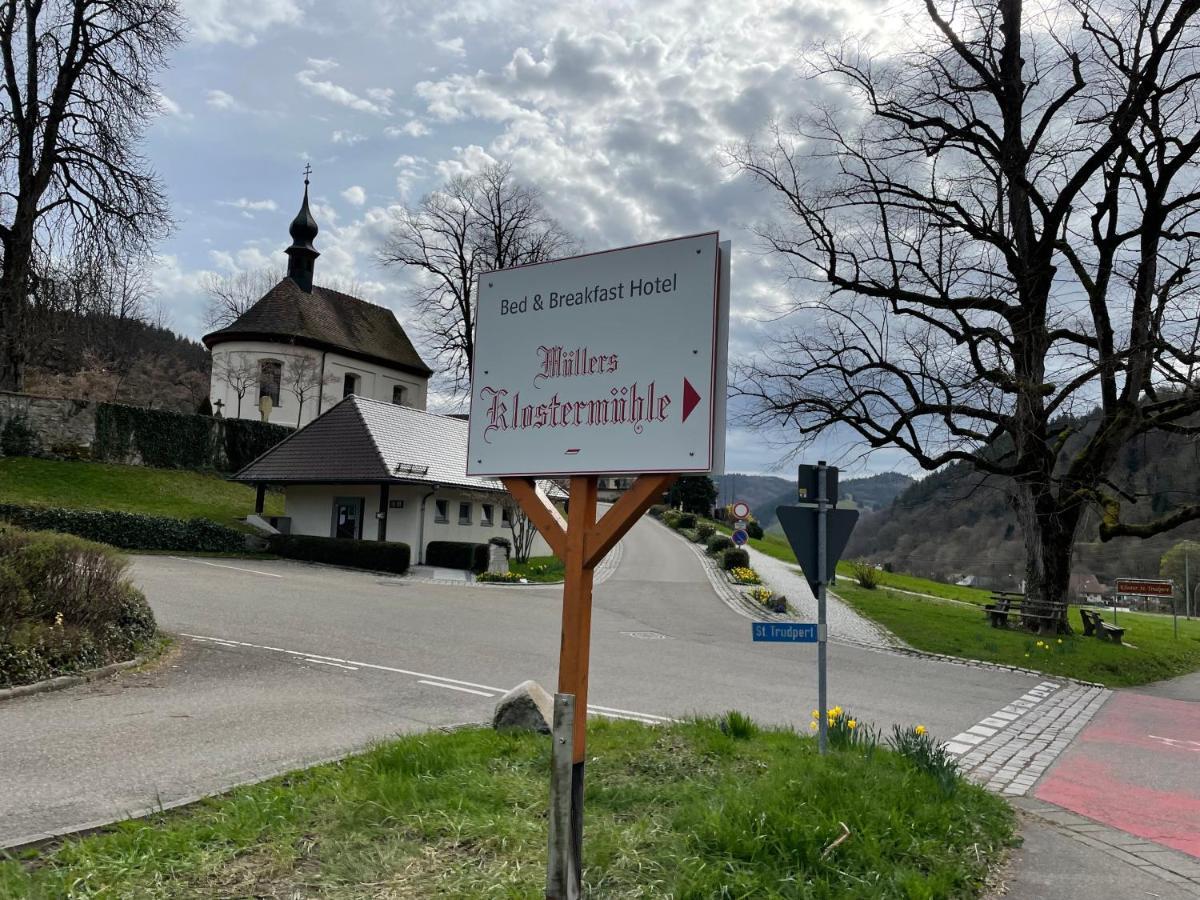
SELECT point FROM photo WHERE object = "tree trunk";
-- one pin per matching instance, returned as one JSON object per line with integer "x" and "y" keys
{"x": 1049, "y": 534}
{"x": 14, "y": 306}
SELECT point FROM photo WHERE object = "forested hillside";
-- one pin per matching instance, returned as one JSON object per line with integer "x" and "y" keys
{"x": 957, "y": 522}
{"x": 766, "y": 492}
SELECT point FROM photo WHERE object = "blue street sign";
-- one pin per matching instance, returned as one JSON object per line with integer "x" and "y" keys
{"x": 792, "y": 632}
{"x": 740, "y": 537}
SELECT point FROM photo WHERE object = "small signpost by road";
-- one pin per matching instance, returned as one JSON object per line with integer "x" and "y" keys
{"x": 818, "y": 535}
{"x": 604, "y": 364}
{"x": 1148, "y": 587}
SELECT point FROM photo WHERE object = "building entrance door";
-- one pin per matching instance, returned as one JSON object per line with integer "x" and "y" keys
{"x": 347, "y": 518}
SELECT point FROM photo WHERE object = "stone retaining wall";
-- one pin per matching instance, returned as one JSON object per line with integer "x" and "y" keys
{"x": 59, "y": 428}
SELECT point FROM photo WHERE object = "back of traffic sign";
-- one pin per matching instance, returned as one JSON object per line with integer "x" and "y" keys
{"x": 799, "y": 523}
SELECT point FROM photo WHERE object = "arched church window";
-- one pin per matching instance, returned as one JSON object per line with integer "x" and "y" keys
{"x": 270, "y": 373}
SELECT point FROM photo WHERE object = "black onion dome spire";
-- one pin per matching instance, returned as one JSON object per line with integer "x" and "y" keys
{"x": 302, "y": 255}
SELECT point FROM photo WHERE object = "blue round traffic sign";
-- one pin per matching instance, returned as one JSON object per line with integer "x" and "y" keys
{"x": 740, "y": 537}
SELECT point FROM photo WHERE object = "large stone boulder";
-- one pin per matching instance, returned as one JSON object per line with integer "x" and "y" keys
{"x": 527, "y": 707}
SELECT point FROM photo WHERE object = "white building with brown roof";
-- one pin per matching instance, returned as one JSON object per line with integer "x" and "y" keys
{"x": 303, "y": 347}
{"x": 376, "y": 471}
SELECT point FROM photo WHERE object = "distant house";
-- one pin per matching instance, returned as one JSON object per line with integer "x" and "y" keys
{"x": 1084, "y": 587}
{"x": 305, "y": 347}
{"x": 376, "y": 471}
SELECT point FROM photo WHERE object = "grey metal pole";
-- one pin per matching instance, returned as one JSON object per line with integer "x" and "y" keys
{"x": 1187, "y": 587}
{"x": 822, "y": 578}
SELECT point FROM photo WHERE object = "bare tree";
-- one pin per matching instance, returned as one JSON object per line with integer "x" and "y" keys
{"x": 302, "y": 379}
{"x": 523, "y": 533}
{"x": 1004, "y": 223}
{"x": 232, "y": 294}
{"x": 78, "y": 86}
{"x": 238, "y": 371}
{"x": 473, "y": 224}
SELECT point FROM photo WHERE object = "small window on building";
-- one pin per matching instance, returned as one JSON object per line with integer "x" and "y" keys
{"x": 270, "y": 373}
{"x": 441, "y": 510}
{"x": 399, "y": 395}
{"x": 464, "y": 514}
{"x": 485, "y": 517}
{"x": 505, "y": 516}
{"x": 350, "y": 384}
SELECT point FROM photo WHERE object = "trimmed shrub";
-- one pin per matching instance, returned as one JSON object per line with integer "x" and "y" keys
{"x": 17, "y": 438}
{"x": 686, "y": 520}
{"x": 129, "y": 531}
{"x": 704, "y": 531}
{"x": 754, "y": 530}
{"x": 657, "y": 510}
{"x": 457, "y": 555}
{"x": 718, "y": 543}
{"x": 66, "y": 605}
{"x": 171, "y": 440}
{"x": 381, "y": 556}
{"x": 671, "y": 518}
{"x": 735, "y": 558}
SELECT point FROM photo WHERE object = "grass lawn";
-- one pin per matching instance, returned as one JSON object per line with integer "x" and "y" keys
{"x": 160, "y": 492}
{"x": 684, "y": 811}
{"x": 538, "y": 568}
{"x": 958, "y": 631}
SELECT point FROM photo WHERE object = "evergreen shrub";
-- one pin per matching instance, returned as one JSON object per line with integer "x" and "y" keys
{"x": 457, "y": 555}
{"x": 718, "y": 543}
{"x": 382, "y": 556}
{"x": 129, "y": 531}
{"x": 735, "y": 558}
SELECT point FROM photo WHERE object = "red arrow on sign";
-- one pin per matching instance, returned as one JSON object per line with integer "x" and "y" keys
{"x": 690, "y": 399}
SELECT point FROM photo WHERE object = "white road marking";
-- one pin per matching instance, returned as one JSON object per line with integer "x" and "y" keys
{"x": 608, "y": 712}
{"x": 325, "y": 662}
{"x": 454, "y": 687}
{"x": 219, "y": 566}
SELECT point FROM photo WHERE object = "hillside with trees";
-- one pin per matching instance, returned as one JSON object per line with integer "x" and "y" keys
{"x": 960, "y": 522}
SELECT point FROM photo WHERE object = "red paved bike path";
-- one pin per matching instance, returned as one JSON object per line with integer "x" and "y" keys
{"x": 1135, "y": 767}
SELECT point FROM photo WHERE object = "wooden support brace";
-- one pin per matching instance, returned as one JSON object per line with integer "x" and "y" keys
{"x": 545, "y": 518}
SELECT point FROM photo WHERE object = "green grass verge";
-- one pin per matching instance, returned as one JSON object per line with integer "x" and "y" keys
{"x": 955, "y": 630}
{"x": 684, "y": 811}
{"x": 538, "y": 569}
{"x": 137, "y": 489}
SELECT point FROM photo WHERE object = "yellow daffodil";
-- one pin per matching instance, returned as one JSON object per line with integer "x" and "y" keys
{"x": 920, "y": 729}
{"x": 1060, "y": 640}
{"x": 816, "y": 714}
{"x": 812, "y": 725}
{"x": 852, "y": 724}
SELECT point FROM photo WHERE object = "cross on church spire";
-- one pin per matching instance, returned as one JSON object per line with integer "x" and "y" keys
{"x": 307, "y": 172}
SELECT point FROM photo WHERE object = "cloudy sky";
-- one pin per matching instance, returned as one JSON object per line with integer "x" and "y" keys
{"x": 618, "y": 112}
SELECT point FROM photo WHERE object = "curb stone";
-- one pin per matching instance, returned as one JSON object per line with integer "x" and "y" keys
{"x": 66, "y": 681}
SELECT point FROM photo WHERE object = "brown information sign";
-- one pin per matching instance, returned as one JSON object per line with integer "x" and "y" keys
{"x": 1145, "y": 588}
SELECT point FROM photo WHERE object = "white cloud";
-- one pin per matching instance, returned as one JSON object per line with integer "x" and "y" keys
{"x": 225, "y": 101}
{"x": 250, "y": 206}
{"x": 349, "y": 138}
{"x": 355, "y": 195}
{"x": 236, "y": 21}
{"x": 170, "y": 108}
{"x": 320, "y": 65}
{"x": 453, "y": 46}
{"x": 376, "y": 102}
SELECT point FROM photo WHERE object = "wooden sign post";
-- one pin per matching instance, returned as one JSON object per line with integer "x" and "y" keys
{"x": 581, "y": 542}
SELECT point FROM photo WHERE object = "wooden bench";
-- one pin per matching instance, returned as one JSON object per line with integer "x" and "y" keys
{"x": 1093, "y": 625}
{"x": 1006, "y": 603}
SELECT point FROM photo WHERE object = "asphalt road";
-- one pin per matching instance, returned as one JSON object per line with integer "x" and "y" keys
{"x": 280, "y": 663}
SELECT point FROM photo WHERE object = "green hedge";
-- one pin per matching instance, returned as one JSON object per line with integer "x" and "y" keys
{"x": 718, "y": 543}
{"x": 171, "y": 440}
{"x": 686, "y": 520}
{"x": 457, "y": 555}
{"x": 129, "y": 531}
{"x": 735, "y": 558}
{"x": 383, "y": 556}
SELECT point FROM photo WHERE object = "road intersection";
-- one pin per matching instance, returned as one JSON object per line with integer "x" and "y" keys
{"x": 279, "y": 664}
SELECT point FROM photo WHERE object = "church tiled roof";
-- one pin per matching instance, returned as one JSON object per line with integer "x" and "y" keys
{"x": 327, "y": 320}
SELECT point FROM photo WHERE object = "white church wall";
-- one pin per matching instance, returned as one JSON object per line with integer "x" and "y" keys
{"x": 374, "y": 381}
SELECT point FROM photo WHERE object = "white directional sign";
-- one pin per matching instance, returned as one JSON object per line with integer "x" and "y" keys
{"x": 607, "y": 363}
